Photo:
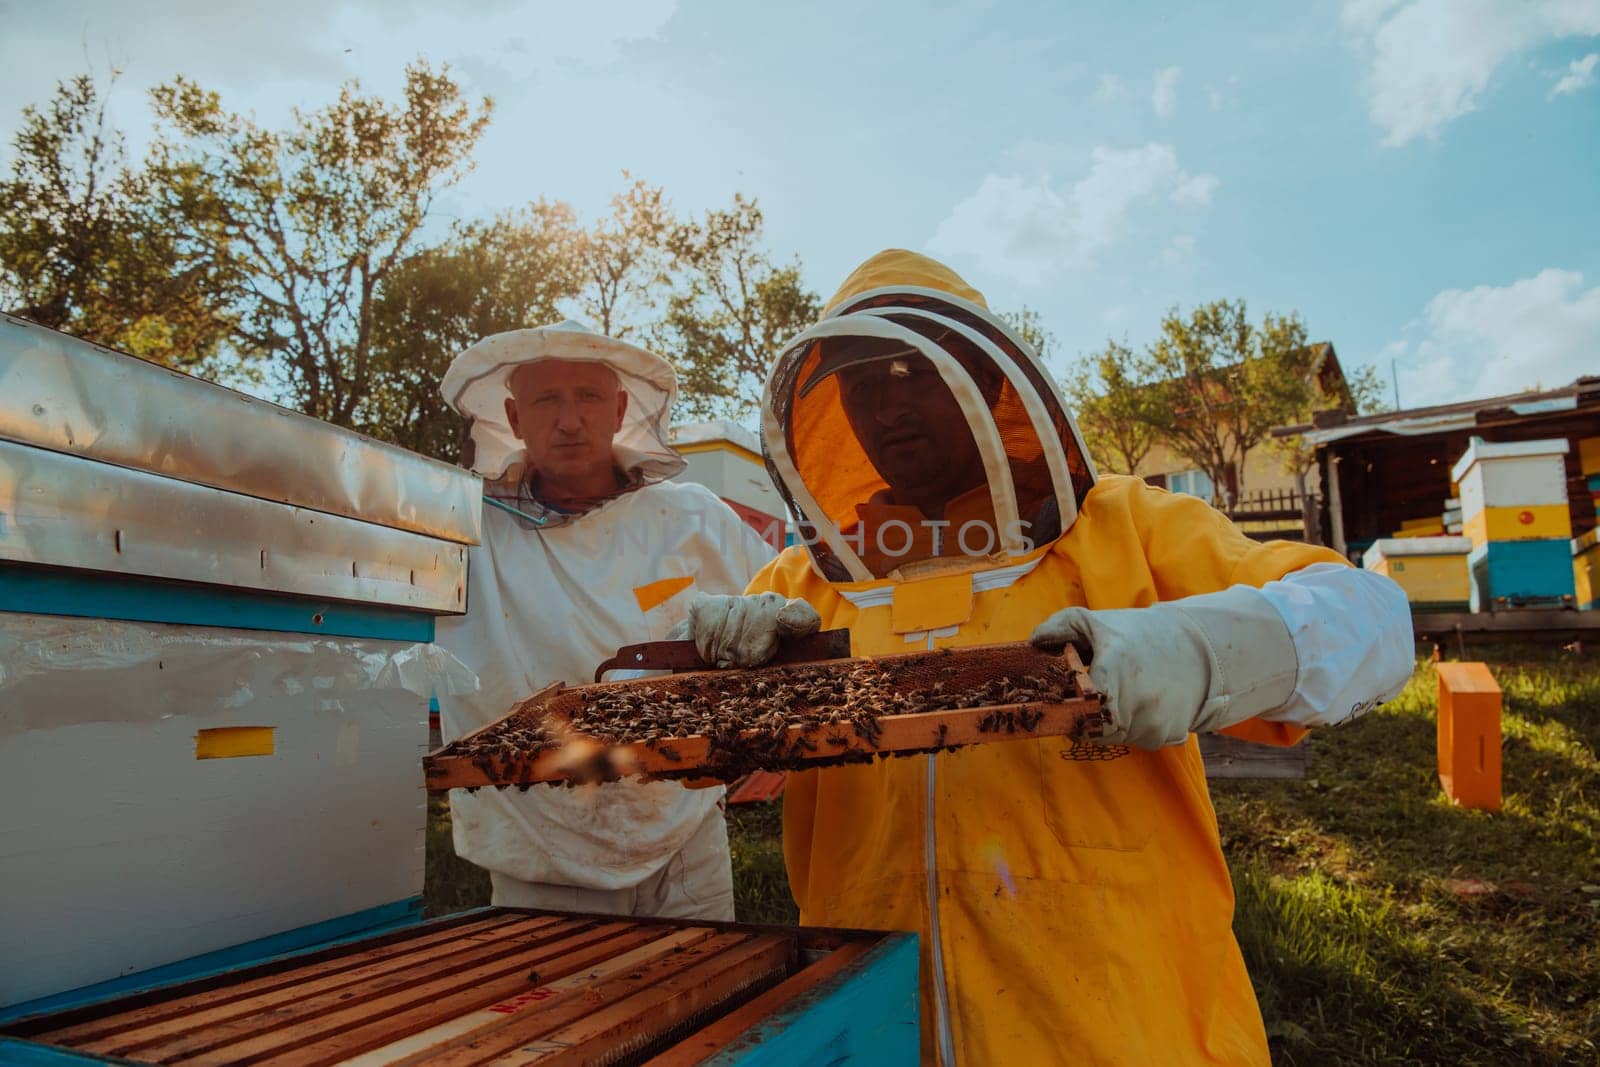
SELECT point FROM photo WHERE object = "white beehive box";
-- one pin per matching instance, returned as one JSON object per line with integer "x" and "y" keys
{"x": 1511, "y": 474}
{"x": 726, "y": 458}
{"x": 216, "y": 619}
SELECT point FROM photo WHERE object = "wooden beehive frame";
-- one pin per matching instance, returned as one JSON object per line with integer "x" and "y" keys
{"x": 454, "y": 766}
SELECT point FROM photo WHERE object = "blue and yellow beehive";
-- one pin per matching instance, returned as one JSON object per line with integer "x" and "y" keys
{"x": 1515, "y": 513}
{"x": 1432, "y": 570}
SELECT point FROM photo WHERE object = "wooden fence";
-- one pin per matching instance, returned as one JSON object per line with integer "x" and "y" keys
{"x": 1272, "y": 514}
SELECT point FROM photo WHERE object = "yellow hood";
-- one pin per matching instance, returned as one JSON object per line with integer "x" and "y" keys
{"x": 1037, "y": 467}
{"x": 896, "y": 268}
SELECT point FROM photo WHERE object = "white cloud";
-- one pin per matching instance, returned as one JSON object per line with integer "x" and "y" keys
{"x": 1367, "y": 15}
{"x": 1164, "y": 96}
{"x": 1431, "y": 60}
{"x": 1195, "y": 189}
{"x": 1179, "y": 251}
{"x": 1109, "y": 90}
{"x": 1489, "y": 340}
{"x": 1580, "y": 75}
{"x": 1029, "y": 229}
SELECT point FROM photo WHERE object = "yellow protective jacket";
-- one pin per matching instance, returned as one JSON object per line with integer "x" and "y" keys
{"x": 1070, "y": 909}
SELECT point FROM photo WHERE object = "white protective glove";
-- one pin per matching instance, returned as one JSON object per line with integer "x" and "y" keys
{"x": 744, "y": 631}
{"x": 1183, "y": 666}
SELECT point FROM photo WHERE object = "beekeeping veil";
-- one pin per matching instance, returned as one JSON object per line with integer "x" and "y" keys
{"x": 897, "y": 306}
{"x": 479, "y": 381}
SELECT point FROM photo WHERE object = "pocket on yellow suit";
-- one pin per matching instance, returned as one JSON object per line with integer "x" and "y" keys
{"x": 1098, "y": 797}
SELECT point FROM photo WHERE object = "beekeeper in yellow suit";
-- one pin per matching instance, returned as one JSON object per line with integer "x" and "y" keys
{"x": 1072, "y": 899}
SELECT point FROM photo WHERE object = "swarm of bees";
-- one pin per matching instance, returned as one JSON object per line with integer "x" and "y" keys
{"x": 748, "y": 722}
{"x": 519, "y": 741}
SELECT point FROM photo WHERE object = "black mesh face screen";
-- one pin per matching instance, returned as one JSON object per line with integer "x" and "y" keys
{"x": 834, "y": 466}
{"x": 1077, "y": 461}
{"x": 1030, "y": 472}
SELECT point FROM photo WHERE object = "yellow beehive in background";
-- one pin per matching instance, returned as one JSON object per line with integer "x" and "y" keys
{"x": 1589, "y": 460}
{"x": 1430, "y": 526}
{"x": 1589, "y": 455}
{"x": 1586, "y": 570}
{"x": 1432, "y": 570}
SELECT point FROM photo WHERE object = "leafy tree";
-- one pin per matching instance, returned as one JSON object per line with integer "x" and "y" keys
{"x": 295, "y": 259}
{"x": 730, "y": 311}
{"x": 512, "y": 273}
{"x": 303, "y": 226}
{"x": 1366, "y": 390}
{"x": 1360, "y": 392}
{"x": 1215, "y": 385}
{"x": 623, "y": 261}
{"x": 81, "y": 248}
{"x": 1106, "y": 395}
{"x": 1030, "y": 327}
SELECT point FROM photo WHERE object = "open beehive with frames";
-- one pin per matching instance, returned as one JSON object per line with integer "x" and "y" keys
{"x": 722, "y": 724}
{"x": 507, "y": 986}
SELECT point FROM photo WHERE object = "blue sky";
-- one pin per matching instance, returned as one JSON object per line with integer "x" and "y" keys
{"x": 1420, "y": 179}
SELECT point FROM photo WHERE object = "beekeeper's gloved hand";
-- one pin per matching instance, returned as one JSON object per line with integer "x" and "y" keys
{"x": 744, "y": 631}
{"x": 1183, "y": 666}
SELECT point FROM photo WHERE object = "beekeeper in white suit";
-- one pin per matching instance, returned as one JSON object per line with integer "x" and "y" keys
{"x": 586, "y": 547}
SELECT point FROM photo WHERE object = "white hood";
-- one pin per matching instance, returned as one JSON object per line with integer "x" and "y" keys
{"x": 478, "y": 383}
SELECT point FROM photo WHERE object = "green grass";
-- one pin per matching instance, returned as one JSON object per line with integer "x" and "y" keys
{"x": 760, "y": 886}
{"x": 1383, "y": 925}
{"x": 1380, "y": 923}
{"x": 449, "y": 884}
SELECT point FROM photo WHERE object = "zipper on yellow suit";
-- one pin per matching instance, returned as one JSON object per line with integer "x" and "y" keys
{"x": 930, "y": 847}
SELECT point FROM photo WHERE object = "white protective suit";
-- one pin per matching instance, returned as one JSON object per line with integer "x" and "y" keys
{"x": 551, "y": 595}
